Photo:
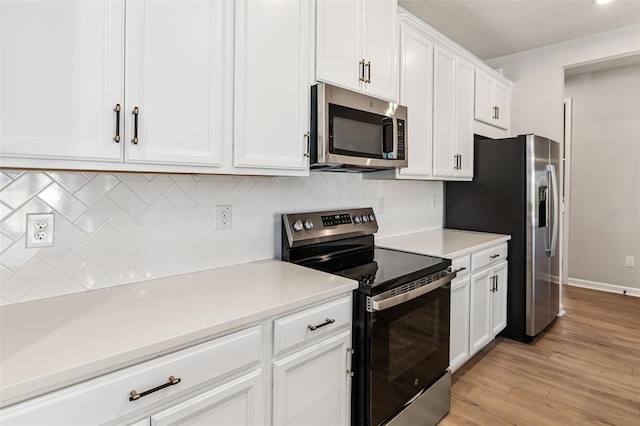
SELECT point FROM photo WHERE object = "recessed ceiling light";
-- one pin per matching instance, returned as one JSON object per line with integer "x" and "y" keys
{"x": 602, "y": 1}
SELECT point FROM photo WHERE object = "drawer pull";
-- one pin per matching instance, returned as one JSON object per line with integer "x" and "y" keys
{"x": 326, "y": 322}
{"x": 493, "y": 256}
{"x": 349, "y": 373}
{"x": 461, "y": 269}
{"x": 135, "y": 395}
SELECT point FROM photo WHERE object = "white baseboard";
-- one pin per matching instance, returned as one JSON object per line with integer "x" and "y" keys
{"x": 611, "y": 288}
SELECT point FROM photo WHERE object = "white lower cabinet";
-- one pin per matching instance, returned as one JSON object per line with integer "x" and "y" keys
{"x": 239, "y": 402}
{"x": 225, "y": 381}
{"x": 488, "y": 310}
{"x": 311, "y": 387}
{"x": 478, "y": 302}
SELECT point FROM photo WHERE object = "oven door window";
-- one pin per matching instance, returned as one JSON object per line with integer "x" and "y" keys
{"x": 409, "y": 350}
{"x": 359, "y": 133}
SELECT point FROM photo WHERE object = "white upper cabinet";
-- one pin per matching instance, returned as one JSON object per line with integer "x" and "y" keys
{"x": 62, "y": 77}
{"x": 492, "y": 99}
{"x": 175, "y": 70}
{"x": 272, "y": 83}
{"x": 452, "y": 116}
{"x": 357, "y": 46}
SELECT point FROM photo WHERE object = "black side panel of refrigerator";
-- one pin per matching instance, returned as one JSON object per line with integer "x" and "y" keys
{"x": 495, "y": 201}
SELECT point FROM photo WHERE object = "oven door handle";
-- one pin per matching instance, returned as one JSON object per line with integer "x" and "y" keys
{"x": 381, "y": 305}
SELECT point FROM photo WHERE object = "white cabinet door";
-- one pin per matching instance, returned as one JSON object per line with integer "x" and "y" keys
{"x": 502, "y": 98}
{"x": 484, "y": 97}
{"x": 339, "y": 42}
{"x": 311, "y": 387}
{"x": 499, "y": 298}
{"x": 143, "y": 422}
{"x": 62, "y": 77}
{"x": 416, "y": 93}
{"x": 444, "y": 112}
{"x": 459, "y": 341}
{"x": 480, "y": 310}
{"x": 177, "y": 72}
{"x": 239, "y": 402}
{"x": 272, "y": 85}
{"x": 464, "y": 118}
{"x": 380, "y": 48}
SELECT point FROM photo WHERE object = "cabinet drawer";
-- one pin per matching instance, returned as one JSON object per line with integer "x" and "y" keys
{"x": 104, "y": 398}
{"x": 488, "y": 256}
{"x": 462, "y": 265}
{"x": 297, "y": 328}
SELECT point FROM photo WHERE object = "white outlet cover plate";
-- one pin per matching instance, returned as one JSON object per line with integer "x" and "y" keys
{"x": 32, "y": 230}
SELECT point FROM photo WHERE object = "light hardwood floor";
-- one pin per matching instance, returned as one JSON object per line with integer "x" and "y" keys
{"x": 584, "y": 370}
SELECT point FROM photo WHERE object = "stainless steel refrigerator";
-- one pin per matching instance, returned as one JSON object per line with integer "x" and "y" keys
{"x": 515, "y": 190}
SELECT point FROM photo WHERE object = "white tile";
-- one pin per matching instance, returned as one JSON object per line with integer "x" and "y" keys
{"x": 57, "y": 284}
{"x": 99, "y": 186}
{"x": 14, "y": 226}
{"x": 36, "y": 293}
{"x": 161, "y": 273}
{"x": 5, "y": 211}
{"x": 97, "y": 242}
{"x": 24, "y": 188}
{"x": 177, "y": 266}
{"x": 185, "y": 182}
{"x": 63, "y": 259}
{"x": 17, "y": 255}
{"x": 128, "y": 226}
{"x": 227, "y": 182}
{"x": 14, "y": 174}
{"x": 71, "y": 181}
{"x": 5, "y": 242}
{"x": 134, "y": 181}
{"x": 102, "y": 211}
{"x": 104, "y": 283}
{"x": 242, "y": 188}
{"x": 68, "y": 233}
{"x": 63, "y": 201}
{"x": 127, "y": 200}
{"x": 97, "y": 270}
{"x": 24, "y": 280}
{"x": 90, "y": 175}
{"x": 202, "y": 188}
{"x": 155, "y": 212}
{"x": 128, "y": 251}
{"x": 152, "y": 190}
{"x": 122, "y": 273}
{"x": 4, "y": 301}
{"x": 4, "y": 274}
{"x": 179, "y": 198}
{"x": 4, "y": 180}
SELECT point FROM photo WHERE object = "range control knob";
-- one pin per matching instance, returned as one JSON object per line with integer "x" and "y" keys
{"x": 307, "y": 224}
{"x": 297, "y": 225}
{"x": 357, "y": 218}
{"x": 372, "y": 218}
{"x": 365, "y": 218}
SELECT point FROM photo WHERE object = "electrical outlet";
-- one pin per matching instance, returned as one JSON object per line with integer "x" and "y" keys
{"x": 434, "y": 203}
{"x": 630, "y": 262}
{"x": 223, "y": 214}
{"x": 381, "y": 206}
{"x": 39, "y": 232}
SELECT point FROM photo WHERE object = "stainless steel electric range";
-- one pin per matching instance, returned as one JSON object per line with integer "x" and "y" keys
{"x": 400, "y": 315}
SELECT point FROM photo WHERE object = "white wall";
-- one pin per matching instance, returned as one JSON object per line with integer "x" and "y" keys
{"x": 605, "y": 175}
{"x": 538, "y": 74}
{"x": 121, "y": 228}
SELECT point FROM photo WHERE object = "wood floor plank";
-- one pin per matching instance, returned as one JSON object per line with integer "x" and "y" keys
{"x": 583, "y": 370}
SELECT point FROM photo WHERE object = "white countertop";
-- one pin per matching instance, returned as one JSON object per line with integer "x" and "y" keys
{"x": 51, "y": 343}
{"x": 449, "y": 243}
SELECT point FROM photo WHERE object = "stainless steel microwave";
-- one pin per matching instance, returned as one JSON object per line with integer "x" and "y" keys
{"x": 351, "y": 131}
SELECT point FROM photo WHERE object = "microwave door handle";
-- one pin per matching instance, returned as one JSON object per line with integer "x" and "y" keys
{"x": 388, "y": 138}
{"x": 390, "y": 302}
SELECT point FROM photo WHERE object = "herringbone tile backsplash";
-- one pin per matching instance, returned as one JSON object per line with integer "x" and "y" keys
{"x": 119, "y": 228}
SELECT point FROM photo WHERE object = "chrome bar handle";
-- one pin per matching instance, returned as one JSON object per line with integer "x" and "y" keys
{"x": 494, "y": 256}
{"x": 496, "y": 283}
{"x": 308, "y": 138}
{"x": 551, "y": 170}
{"x": 117, "y": 110}
{"x": 382, "y": 304}
{"x": 362, "y": 65}
{"x": 459, "y": 161}
{"x": 327, "y": 321}
{"x": 497, "y": 113}
{"x": 134, "y": 396}
{"x": 368, "y": 67}
{"x": 135, "y": 113}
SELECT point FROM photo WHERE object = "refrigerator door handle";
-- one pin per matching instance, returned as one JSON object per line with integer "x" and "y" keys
{"x": 551, "y": 172}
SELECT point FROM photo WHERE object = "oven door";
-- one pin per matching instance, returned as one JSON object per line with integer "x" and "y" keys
{"x": 409, "y": 346}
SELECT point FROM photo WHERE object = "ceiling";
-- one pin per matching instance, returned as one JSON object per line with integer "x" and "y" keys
{"x": 490, "y": 29}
